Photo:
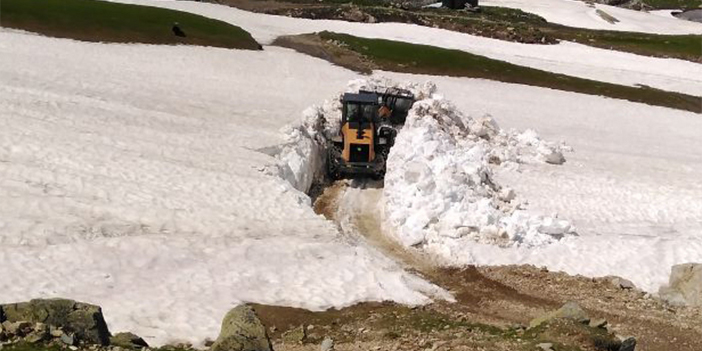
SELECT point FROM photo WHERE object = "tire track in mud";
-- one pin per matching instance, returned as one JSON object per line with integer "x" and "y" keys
{"x": 356, "y": 206}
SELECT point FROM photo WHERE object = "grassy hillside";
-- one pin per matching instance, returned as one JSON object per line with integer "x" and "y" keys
{"x": 422, "y": 59}
{"x": 673, "y": 4}
{"x": 493, "y": 22}
{"x": 93, "y": 20}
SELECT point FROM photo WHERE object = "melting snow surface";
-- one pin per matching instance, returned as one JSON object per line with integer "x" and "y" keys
{"x": 140, "y": 177}
{"x": 131, "y": 177}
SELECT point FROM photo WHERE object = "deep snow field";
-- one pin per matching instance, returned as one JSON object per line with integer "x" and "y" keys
{"x": 131, "y": 177}
{"x": 139, "y": 178}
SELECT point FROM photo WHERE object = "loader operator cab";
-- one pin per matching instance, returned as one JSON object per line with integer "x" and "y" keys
{"x": 358, "y": 119}
{"x": 367, "y": 132}
{"x": 355, "y": 150}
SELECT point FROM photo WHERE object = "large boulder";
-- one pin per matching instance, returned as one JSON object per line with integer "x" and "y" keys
{"x": 84, "y": 320}
{"x": 570, "y": 310}
{"x": 242, "y": 331}
{"x": 685, "y": 285}
{"x": 128, "y": 341}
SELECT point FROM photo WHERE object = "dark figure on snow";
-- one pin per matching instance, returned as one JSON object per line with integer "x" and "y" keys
{"x": 177, "y": 31}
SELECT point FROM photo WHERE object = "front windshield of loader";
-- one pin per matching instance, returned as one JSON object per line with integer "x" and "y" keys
{"x": 360, "y": 112}
{"x": 403, "y": 104}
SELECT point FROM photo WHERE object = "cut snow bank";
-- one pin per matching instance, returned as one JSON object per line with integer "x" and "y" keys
{"x": 439, "y": 183}
{"x": 301, "y": 159}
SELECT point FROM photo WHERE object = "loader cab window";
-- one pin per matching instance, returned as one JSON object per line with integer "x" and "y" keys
{"x": 403, "y": 104}
{"x": 357, "y": 112}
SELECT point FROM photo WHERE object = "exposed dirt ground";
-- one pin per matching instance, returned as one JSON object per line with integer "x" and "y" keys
{"x": 314, "y": 45}
{"x": 493, "y": 304}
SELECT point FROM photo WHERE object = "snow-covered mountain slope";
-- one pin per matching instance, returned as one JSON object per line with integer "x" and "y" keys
{"x": 576, "y": 13}
{"x": 630, "y": 187}
{"x": 130, "y": 177}
{"x": 566, "y": 58}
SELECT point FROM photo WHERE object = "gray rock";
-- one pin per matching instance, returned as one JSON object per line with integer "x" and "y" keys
{"x": 685, "y": 285}
{"x": 546, "y": 346}
{"x": 55, "y": 332}
{"x": 570, "y": 310}
{"x": 20, "y": 328}
{"x": 327, "y": 344}
{"x": 128, "y": 341}
{"x": 599, "y": 323}
{"x": 242, "y": 331}
{"x": 295, "y": 336}
{"x": 622, "y": 283}
{"x": 629, "y": 344}
{"x": 39, "y": 332}
{"x": 85, "y": 320}
{"x": 68, "y": 339}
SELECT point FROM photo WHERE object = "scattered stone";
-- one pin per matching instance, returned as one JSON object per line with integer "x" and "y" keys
{"x": 570, "y": 310}
{"x": 85, "y": 320}
{"x": 507, "y": 194}
{"x": 327, "y": 344}
{"x": 546, "y": 346}
{"x": 600, "y": 323}
{"x": 68, "y": 339}
{"x": 295, "y": 336}
{"x": 685, "y": 285}
{"x": 128, "y": 341}
{"x": 19, "y": 328}
{"x": 629, "y": 344}
{"x": 622, "y": 283}
{"x": 39, "y": 332}
{"x": 242, "y": 331}
{"x": 55, "y": 331}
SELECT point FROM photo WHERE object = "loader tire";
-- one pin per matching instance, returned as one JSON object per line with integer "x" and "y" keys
{"x": 333, "y": 169}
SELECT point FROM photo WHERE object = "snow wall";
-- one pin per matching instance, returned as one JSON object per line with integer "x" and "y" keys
{"x": 439, "y": 185}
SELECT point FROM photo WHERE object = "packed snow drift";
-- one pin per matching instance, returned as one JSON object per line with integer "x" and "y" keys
{"x": 468, "y": 192}
{"x": 439, "y": 184}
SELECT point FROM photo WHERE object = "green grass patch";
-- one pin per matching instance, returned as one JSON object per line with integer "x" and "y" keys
{"x": 505, "y": 24}
{"x": 101, "y": 21}
{"x": 25, "y": 346}
{"x": 423, "y": 59}
{"x": 687, "y": 47}
{"x": 674, "y": 4}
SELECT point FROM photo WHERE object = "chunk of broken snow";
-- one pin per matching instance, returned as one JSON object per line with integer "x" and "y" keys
{"x": 550, "y": 154}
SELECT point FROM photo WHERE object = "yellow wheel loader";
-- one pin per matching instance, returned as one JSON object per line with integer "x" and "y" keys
{"x": 367, "y": 132}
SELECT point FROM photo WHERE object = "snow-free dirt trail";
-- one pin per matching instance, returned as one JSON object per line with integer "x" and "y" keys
{"x": 357, "y": 208}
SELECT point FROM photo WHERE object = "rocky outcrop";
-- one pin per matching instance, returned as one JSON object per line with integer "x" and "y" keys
{"x": 570, "y": 310}
{"x": 685, "y": 285}
{"x": 242, "y": 331}
{"x": 83, "y": 321}
{"x": 128, "y": 341}
{"x": 295, "y": 336}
